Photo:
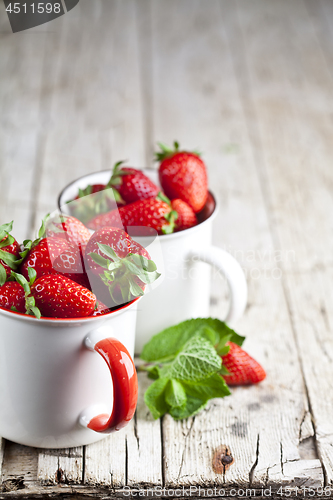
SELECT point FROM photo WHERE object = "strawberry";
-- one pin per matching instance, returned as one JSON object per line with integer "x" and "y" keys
{"x": 244, "y": 370}
{"x": 183, "y": 175}
{"x": 68, "y": 228}
{"x": 9, "y": 252}
{"x": 12, "y": 296}
{"x": 186, "y": 217}
{"x": 132, "y": 184}
{"x": 101, "y": 309}
{"x": 59, "y": 297}
{"x": 41, "y": 256}
{"x": 119, "y": 267}
{"x": 152, "y": 213}
{"x": 69, "y": 263}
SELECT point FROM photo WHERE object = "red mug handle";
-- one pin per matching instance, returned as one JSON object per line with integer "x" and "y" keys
{"x": 125, "y": 387}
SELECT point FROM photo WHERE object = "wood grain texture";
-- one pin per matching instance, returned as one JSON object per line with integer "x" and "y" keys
{"x": 250, "y": 84}
{"x": 261, "y": 426}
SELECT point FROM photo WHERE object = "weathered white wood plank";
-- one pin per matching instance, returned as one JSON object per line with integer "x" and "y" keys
{"x": 261, "y": 425}
{"x": 21, "y": 69}
{"x": 144, "y": 444}
{"x": 95, "y": 97}
{"x": 105, "y": 461}
{"x": 19, "y": 468}
{"x": 2, "y": 449}
{"x": 311, "y": 306}
{"x": 60, "y": 466}
{"x": 299, "y": 86}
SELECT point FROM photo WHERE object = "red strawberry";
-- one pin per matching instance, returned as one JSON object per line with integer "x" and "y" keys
{"x": 152, "y": 213}
{"x": 244, "y": 370}
{"x": 42, "y": 256}
{"x": 70, "y": 264}
{"x": 183, "y": 175}
{"x": 12, "y": 295}
{"x": 69, "y": 228}
{"x": 132, "y": 184}
{"x": 59, "y": 297}
{"x": 101, "y": 309}
{"x": 128, "y": 274}
{"x": 186, "y": 217}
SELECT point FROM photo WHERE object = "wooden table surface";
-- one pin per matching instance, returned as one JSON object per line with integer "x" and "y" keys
{"x": 251, "y": 85}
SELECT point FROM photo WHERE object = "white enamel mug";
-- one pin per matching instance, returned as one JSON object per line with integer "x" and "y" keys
{"x": 55, "y": 384}
{"x": 184, "y": 260}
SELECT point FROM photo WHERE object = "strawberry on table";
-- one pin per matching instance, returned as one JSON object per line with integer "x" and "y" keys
{"x": 183, "y": 175}
{"x": 59, "y": 297}
{"x": 12, "y": 296}
{"x": 119, "y": 267}
{"x": 151, "y": 213}
{"x": 9, "y": 252}
{"x": 244, "y": 370}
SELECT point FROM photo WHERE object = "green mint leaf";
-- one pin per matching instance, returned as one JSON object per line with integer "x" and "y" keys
{"x": 166, "y": 344}
{"x": 155, "y": 398}
{"x": 175, "y": 394}
{"x": 208, "y": 388}
{"x": 192, "y": 407}
{"x": 99, "y": 260}
{"x": 197, "y": 360}
{"x": 109, "y": 252}
{"x": 3, "y": 275}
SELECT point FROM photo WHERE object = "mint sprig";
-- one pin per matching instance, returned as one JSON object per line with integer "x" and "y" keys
{"x": 185, "y": 361}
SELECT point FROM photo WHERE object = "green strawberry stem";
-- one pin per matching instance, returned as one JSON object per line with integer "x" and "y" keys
{"x": 120, "y": 273}
{"x": 30, "y": 304}
{"x": 167, "y": 151}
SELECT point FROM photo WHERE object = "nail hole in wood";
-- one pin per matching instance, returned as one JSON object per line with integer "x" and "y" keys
{"x": 222, "y": 459}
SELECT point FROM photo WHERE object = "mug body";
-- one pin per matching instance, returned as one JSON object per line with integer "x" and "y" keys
{"x": 48, "y": 376}
{"x": 184, "y": 290}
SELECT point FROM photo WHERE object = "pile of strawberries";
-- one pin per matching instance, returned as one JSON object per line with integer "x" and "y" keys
{"x": 69, "y": 273}
{"x": 131, "y": 199}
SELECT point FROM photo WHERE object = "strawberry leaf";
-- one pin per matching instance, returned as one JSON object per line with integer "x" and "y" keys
{"x": 99, "y": 260}
{"x": 3, "y": 275}
{"x": 7, "y": 228}
{"x": 134, "y": 288}
{"x": 109, "y": 252}
{"x": 8, "y": 259}
{"x": 7, "y": 240}
{"x": 32, "y": 275}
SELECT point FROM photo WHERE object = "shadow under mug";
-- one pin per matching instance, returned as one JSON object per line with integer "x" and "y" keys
{"x": 55, "y": 390}
{"x": 184, "y": 260}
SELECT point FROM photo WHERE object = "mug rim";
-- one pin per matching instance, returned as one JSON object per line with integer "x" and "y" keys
{"x": 86, "y": 319}
{"x": 178, "y": 234}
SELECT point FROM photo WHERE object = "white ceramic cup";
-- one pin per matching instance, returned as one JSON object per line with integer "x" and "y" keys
{"x": 184, "y": 260}
{"x": 55, "y": 388}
